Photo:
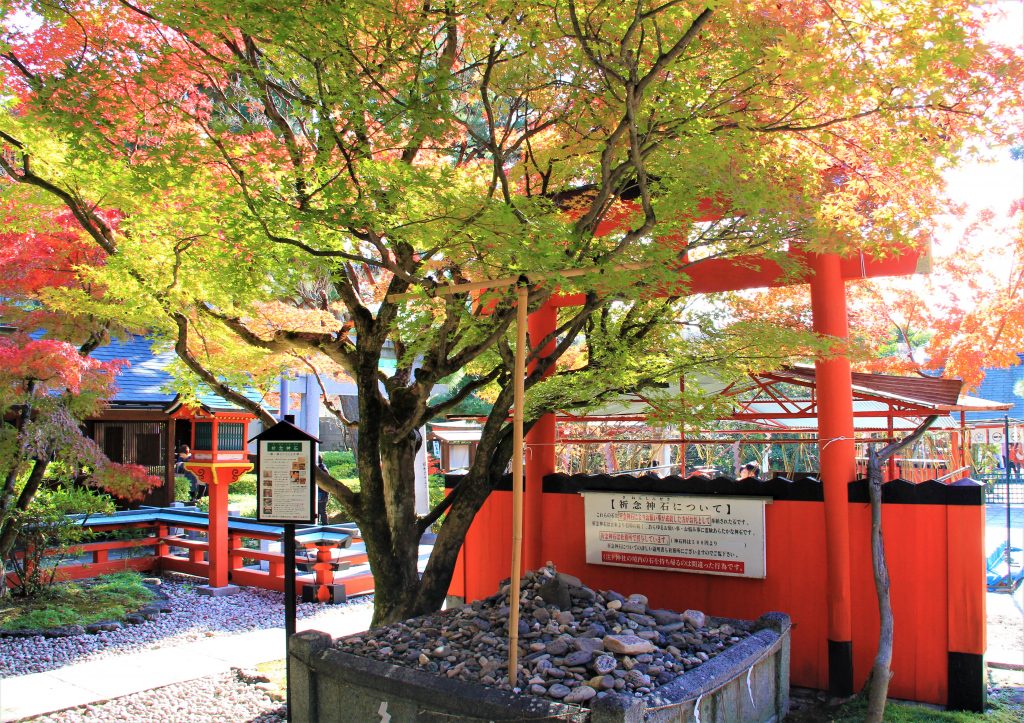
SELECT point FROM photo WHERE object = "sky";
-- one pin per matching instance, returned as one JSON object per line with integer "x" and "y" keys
{"x": 995, "y": 185}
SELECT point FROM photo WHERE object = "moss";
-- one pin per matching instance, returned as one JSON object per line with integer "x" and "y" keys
{"x": 108, "y": 597}
{"x": 855, "y": 710}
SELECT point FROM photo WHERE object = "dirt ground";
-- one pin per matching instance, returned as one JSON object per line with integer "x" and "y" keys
{"x": 1006, "y": 648}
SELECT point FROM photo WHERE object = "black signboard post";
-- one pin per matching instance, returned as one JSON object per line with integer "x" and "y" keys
{"x": 286, "y": 494}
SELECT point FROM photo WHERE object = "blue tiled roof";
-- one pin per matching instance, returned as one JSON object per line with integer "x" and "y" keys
{"x": 998, "y": 386}
{"x": 146, "y": 379}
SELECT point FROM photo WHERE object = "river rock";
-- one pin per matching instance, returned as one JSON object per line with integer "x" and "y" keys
{"x": 638, "y": 598}
{"x": 627, "y": 644}
{"x": 694, "y": 617}
{"x": 643, "y": 620}
{"x": 564, "y": 617}
{"x": 591, "y": 645}
{"x": 665, "y": 617}
{"x": 558, "y": 646}
{"x": 556, "y": 592}
{"x": 634, "y": 606}
{"x": 578, "y": 657}
{"x": 573, "y": 641}
{"x": 580, "y": 695}
{"x": 559, "y": 691}
{"x": 604, "y": 664}
{"x": 637, "y": 678}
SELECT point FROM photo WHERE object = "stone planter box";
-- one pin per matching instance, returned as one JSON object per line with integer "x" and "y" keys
{"x": 748, "y": 681}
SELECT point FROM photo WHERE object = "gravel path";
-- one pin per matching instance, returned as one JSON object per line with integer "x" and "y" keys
{"x": 192, "y": 617}
{"x": 217, "y": 699}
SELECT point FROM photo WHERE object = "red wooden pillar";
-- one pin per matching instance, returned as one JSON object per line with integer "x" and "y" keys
{"x": 965, "y": 600}
{"x": 682, "y": 433}
{"x": 218, "y": 476}
{"x": 217, "y": 533}
{"x": 162, "y": 548}
{"x": 838, "y": 465}
{"x": 540, "y": 448}
{"x": 890, "y": 465}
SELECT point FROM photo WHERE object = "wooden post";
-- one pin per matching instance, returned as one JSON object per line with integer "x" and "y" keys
{"x": 162, "y": 548}
{"x": 519, "y": 390}
{"x": 890, "y": 465}
{"x": 169, "y": 463}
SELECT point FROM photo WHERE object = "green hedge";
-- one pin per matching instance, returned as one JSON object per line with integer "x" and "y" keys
{"x": 246, "y": 485}
{"x": 341, "y": 465}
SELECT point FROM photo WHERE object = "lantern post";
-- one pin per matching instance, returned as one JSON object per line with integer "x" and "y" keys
{"x": 219, "y": 458}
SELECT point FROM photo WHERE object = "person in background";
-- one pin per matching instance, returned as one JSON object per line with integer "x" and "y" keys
{"x": 1016, "y": 459}
{"x": 750, "y": 469}
{"x": 195, "y": 490}
{"x": 321, "y": 494}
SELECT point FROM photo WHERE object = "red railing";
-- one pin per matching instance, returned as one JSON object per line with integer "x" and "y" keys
{"x": 186, "y": 550}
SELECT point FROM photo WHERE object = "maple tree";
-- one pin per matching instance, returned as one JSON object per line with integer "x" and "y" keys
{"x": 268, "y": 183}
{"x": 48, "y": 386}
{"x": 962, "y": 317}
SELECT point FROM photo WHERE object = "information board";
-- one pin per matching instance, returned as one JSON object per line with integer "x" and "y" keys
{"x": 685, "y": 533}
{"x": 285, "y": 488}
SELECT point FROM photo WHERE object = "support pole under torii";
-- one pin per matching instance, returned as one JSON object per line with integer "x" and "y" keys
{"x": 540, "y": 446}
{"x": 837, "y": 463}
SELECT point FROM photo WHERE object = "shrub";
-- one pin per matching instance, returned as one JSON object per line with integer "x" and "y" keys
{"x": 127, "y": 481}
{"x": 182, "y": 489}
{"x": 47, "y": 533}
{"x": 435, "y": 493}
{"x": 246, "y": 485}
{"x": 341, "y": 465}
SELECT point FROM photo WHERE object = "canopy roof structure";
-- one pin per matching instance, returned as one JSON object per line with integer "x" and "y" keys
{"x": 457, "y": 432}
{"x": 786, "y": 401}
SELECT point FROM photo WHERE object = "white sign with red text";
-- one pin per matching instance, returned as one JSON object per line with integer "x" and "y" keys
{"x": 682, "y": 533}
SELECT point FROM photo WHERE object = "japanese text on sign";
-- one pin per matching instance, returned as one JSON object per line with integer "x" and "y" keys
{"x": 714, "y": 535}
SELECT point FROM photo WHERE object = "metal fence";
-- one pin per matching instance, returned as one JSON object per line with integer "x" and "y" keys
{"x": 996, "y": 487}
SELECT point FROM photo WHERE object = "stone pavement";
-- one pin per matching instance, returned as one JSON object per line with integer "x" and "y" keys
{"x": 90, "y": 682}
{"x": 1007, "y": 645}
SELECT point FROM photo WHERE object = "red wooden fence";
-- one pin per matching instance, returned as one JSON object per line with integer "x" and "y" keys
{"x": 934, "y": 536}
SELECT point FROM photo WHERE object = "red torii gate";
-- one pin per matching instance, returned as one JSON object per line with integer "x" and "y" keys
{"x": 827, "y": 276}
{"x": 826, "y": 273}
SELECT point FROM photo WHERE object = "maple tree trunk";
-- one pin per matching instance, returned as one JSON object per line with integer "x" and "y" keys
{"x": 877, "y": 685}
{"x": 387, "y": 516}
{"x": 12, "y": 504}
{"x": 878, "y": 679}
{"x": 392, "y": 539}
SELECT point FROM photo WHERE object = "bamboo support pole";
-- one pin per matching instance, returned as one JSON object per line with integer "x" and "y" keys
{"x": 519, "y": 393}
